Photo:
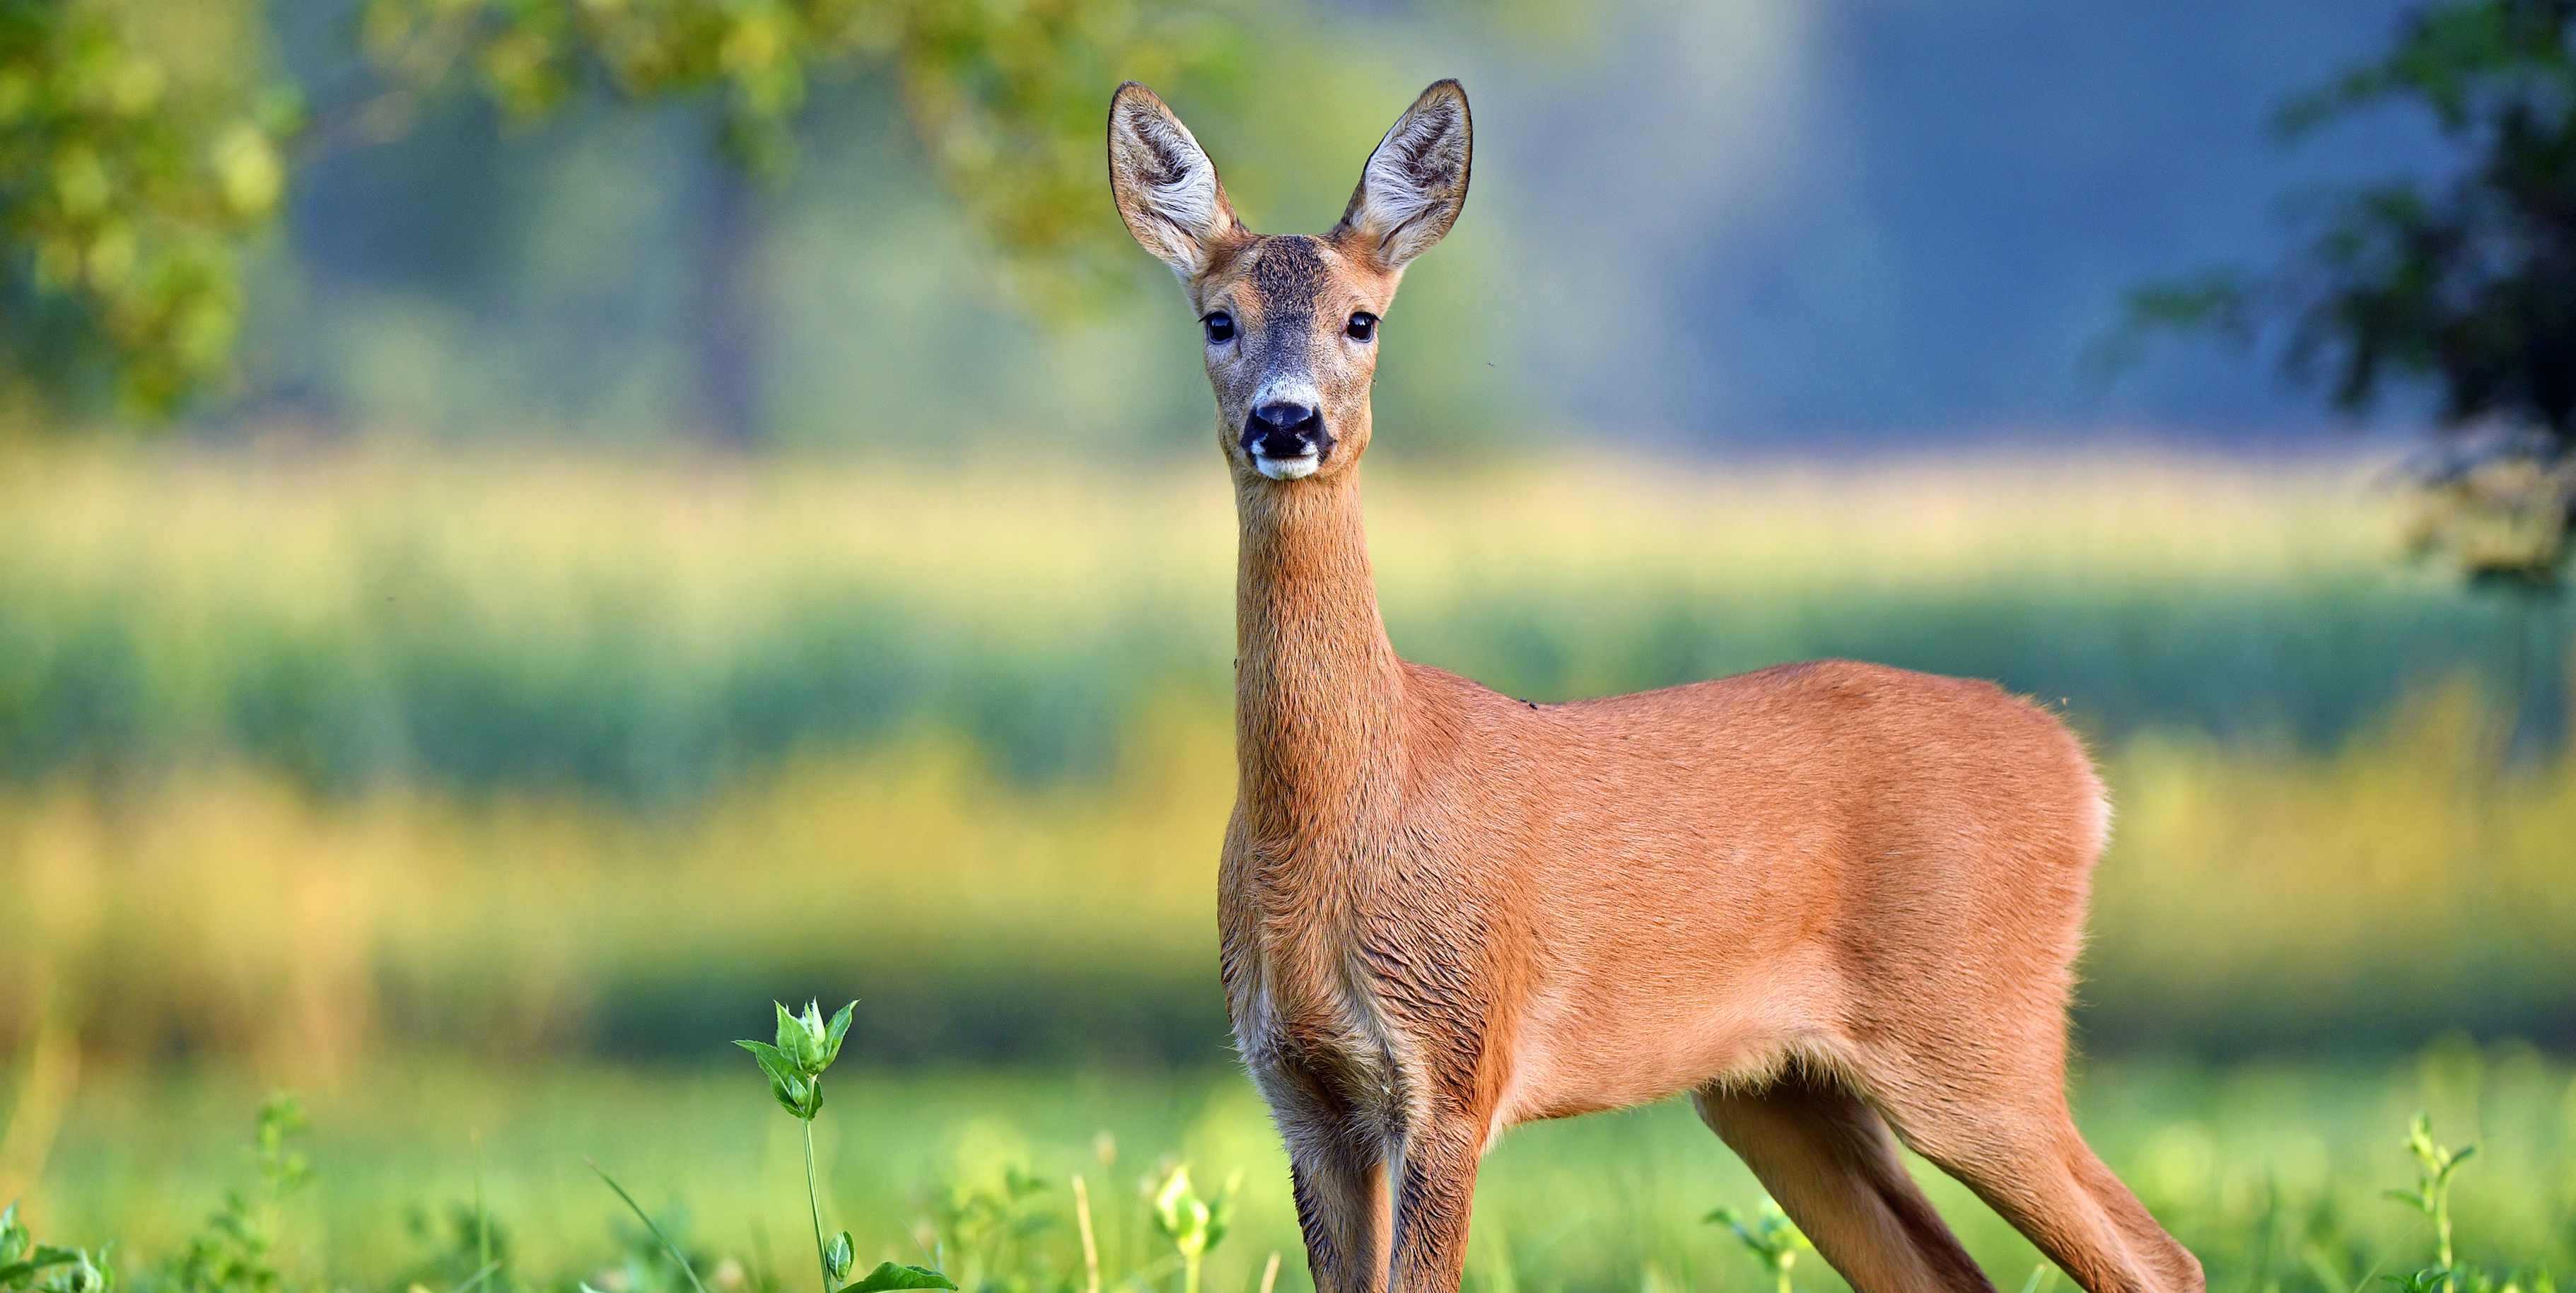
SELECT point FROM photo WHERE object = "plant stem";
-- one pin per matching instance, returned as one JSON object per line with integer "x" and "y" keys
{"x": 1090, "y": 1246}
{"x": 482, "y": 1218}
{"x": 814, "y": 1202}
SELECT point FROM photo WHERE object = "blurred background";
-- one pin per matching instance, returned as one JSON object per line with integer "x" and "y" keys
{"x": 529, "y": 530}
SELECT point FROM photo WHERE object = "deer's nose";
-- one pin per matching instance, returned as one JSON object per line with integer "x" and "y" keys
{"x": 1283, "y": 415}
{"x": 1287, "y": 431}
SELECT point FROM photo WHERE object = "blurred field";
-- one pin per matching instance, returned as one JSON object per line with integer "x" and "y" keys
{"x": 648, "y": 630}
{"x": 431, "y": 785}
{"x": 2272, "y": 1173}
{"x": 314, "y": 757}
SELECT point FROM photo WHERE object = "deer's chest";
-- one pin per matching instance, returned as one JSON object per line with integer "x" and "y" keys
{"x": 1307, "y": 1014}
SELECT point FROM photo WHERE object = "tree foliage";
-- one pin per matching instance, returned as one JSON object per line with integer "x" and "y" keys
{"x": 128, "y": 196}
{"x": 2465, "y": 286}
{"x": 125, "y": 192}
{"x": 1006, "y": 97}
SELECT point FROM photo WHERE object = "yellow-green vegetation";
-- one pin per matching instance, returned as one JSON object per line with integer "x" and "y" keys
{"x": 311, "y": 755}
{"x": 2274, "y": 1174}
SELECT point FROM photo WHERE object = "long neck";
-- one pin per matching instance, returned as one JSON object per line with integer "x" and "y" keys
{"x": 1318, "y": 688}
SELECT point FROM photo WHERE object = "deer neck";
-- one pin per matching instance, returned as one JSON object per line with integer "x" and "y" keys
{"x": 1318, "y": 688}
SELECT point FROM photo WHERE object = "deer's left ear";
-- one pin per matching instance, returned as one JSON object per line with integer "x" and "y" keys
{"x": 1166, "y": 187}
{"x": 1415, "y": 183}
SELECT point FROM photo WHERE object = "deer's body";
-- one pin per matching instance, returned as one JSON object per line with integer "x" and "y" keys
{"x": 1825, "y": 899}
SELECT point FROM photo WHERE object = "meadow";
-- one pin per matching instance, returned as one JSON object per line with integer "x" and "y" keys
{"x": 496, "y": 792}
{"x": 2274, "y": 1173}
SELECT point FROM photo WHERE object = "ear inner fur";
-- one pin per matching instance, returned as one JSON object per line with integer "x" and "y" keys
{"x": 1166, "y": 187}
{"x": 1415, "y": 182}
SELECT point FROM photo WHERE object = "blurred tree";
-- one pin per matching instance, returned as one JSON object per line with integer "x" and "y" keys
{"x": 126, "y": 187}
{"x": 2466, "y": 287}
{"x": 125, "y": 204}
{"x": 1005, "y": 98}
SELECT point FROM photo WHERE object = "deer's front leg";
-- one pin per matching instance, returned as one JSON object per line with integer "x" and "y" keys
{"x": 1435, "y": 1188}
{"x": 1337, "y": 1164}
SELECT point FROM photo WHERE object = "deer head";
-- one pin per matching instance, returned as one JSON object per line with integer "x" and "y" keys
{"x": 1290, "y": 320}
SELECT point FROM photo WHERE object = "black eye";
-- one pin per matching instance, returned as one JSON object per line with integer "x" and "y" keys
{"x": 1363, "y": 326}
{"x": 1220, "y": 327}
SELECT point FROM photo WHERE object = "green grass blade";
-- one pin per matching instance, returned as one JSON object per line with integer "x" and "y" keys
{"x": 484, "y": 1274}
{"x": 640, "y": 1215}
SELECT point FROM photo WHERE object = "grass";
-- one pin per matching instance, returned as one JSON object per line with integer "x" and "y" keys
{"x": 2273, "y": 1173}
{"x": 435, "y": 789}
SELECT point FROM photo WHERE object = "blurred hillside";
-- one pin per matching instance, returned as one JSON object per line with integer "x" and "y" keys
{"x": 1752, "y": 222}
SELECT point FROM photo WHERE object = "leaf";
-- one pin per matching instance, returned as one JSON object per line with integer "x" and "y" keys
{"x": 45, "y": 1255}
{"x": 887, "y": 1275}
{"x": 836, "y": 1258}
{"x": 788, "y": 1029}
{"x": 772, "y": 1061}
{"x": 790, "y": 1094}
{"x": 840, "y": 1028}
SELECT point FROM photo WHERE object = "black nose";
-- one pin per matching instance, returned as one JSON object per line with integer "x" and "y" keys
{"x": 1286, "y": 430}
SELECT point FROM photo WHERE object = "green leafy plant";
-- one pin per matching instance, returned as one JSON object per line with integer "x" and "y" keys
{"x": 28, "y": 1265}
{"x": 988, "y": 1233}
{"x": 2432, "y": 1193}
{"x": 1194, "y": 1225}
{"x": 1768, "y": 1235}
{"x": 236, "y": 1251}
{"x": 2432, "y": 1197}
{"x": 795, "y": 1063}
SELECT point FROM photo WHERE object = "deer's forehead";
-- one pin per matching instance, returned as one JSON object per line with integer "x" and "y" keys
{"x": 1284, "y": 277}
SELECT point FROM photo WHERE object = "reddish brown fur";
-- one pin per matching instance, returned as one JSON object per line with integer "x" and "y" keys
{"x": 1825, "y": 899}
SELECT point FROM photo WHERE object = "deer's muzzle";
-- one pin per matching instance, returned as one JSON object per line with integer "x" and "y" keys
{"x": 1286, "y": 440}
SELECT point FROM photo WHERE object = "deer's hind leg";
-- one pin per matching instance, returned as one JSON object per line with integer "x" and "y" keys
{"x": 2009, "y": 1136}
{"x": 1828, "y": 1160}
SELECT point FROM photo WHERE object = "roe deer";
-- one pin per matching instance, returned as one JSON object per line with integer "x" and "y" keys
{"x": 1828, "y": 900}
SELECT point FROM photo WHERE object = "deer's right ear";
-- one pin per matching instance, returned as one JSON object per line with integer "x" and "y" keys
{"x": 1165, "y": 185}
{"x": 1416, "y": 182}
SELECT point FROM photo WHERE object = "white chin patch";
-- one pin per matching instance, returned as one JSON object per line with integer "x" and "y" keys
{"x": 1297, "y": 468}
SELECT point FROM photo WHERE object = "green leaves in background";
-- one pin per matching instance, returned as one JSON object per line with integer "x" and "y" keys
{"x": 1005, "y": 98}
{"x": 2465, "y": 288}
{"x": 129, "y": 192}
{"x": 1768, "y": 1236}
{"x": 236, "y": 1252}
{"x": 1193, "y": 1224}
{"x": 28, "y": 1265}
{"x": 128, "y": 185}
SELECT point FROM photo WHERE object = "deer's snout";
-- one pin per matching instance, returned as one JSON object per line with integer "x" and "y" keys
{"x": 1286, "y": 439}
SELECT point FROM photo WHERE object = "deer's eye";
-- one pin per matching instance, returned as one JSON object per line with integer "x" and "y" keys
{"x": 1362, "y": 326}
{"x": 1220, "y": 327}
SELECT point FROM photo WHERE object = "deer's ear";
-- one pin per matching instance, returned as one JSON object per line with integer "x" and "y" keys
{"x": 1415, "y": 183}
{"x": 1166, "y": 187}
